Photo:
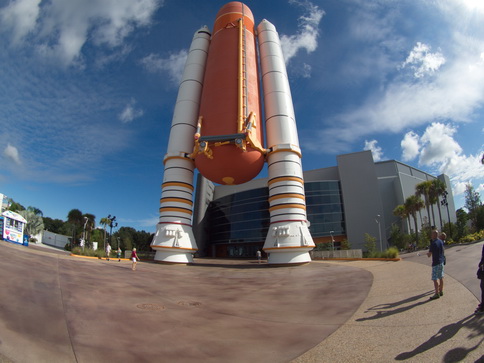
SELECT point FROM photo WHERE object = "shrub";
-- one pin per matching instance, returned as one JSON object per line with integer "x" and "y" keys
{"x": 370, "y": 246}
{"x": 88, "y": 252}
{"x": 345, "y": 245}
{"x": 472, "y": 237}
{"x": 323, "y": 247}
{"x": 392, "y": 252}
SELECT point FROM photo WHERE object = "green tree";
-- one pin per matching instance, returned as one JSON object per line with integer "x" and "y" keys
{"x": 36, "y": 211}
{"x": 34, "y": 225}
{"x": 89, "y": 223}
{"x": 97, "y": 236}
{"x": 438, "y": 190}
{"x": 396, "y": 237}
{"x": 105, "y": 221}
{"x": 461, "y": 224}
{"x": 424, "y": 189}
{"x": 412, "y": 205}
{"x": 480, "y": 218}
{"x": 402, "y": 212}
{"x": 53, "y": 225}
{"x": 370, "y": 245}
{"x": 14, "y": 206}
{"x": 472, "y": 204}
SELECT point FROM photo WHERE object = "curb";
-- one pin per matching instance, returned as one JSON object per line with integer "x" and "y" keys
{"x": 357, "y": 259}
{"x": 98, "y": 258}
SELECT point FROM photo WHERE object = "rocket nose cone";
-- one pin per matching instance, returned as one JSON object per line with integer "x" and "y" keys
{"x": 235, "y": 7}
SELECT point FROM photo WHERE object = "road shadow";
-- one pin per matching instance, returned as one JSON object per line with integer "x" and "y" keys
{"x": 472, "y": 322}
{"x": 385, "y": 310}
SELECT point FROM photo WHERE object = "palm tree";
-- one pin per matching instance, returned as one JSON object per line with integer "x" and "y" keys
{"x": 401, "y": 212}
{"x": 423, "y": 188}
{"x": 439, "y": 189}
{"x": 75, "y": 218}
{"x": 91, "y": 221}
{"x": 35, "y": 223}
{"x": 36, "y": 211}
{"x": 104, "y": 222}
{"x": 412, "y": 205}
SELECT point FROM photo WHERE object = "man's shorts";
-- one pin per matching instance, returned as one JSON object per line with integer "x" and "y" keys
{"x": 438, "y": 272}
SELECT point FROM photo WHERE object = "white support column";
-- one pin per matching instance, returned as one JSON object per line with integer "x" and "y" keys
{"x": 174, "y": 241}
{"x": 288, "y": 240}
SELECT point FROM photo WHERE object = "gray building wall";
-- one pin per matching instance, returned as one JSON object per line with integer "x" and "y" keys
{"x": 361, "y": 199}
{"x": 368, "y": 189}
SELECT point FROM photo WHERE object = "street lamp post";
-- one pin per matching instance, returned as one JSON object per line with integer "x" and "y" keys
{"x": 377, "y": 220}
{"x": 84, "y": 232}
{"x": 446, "y": 204}
{"x": 332, "y": 239}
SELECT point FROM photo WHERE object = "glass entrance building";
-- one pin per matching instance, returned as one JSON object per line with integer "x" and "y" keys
{"x": 343, "y": 203}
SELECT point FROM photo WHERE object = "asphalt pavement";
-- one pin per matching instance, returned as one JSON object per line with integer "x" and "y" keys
{"x": 59, "y": 308}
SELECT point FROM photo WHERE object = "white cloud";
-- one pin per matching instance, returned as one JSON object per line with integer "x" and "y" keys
{"x": 438, "y": 145}
{"x": 61, "y": 28}
{"x": 410, "y": 146}
{"x": 130, "y": 112}
{"x": 376, "y": 151}
{"x": 20, "y": 16}
{"x": 422, "y": 61}
{"x": 308, "y": 33}
{"x": 480, "y": 188}
{"x": 453, "y": 94}
{"x": 174, "y": 64}
{"x": 12, "y": 153}
{"x": 441, "y": 152}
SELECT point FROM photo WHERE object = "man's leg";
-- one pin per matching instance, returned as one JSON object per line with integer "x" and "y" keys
{"x": 436, "y": 286}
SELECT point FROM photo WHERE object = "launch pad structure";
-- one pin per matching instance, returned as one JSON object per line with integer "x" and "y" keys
{"x": 217, "y": 129}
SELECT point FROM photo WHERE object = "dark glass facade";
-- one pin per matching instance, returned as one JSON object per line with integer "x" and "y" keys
{"x": 240, "y": 221}
{"x": 324, "y": 207}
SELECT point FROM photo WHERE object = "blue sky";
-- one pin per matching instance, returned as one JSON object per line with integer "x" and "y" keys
{"x": 87, "y": 91}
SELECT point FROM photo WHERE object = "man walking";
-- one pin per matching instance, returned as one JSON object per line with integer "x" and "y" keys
{"x": 108, "y": 251}
{"x": 436, "y": 250}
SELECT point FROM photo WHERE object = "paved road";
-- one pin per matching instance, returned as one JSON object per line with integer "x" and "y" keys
{"x": 462, "y": 261}
{"x": 57, "y": 308}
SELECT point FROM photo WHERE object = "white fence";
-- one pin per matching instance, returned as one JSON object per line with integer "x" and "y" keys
{"x": 54, "y": 239}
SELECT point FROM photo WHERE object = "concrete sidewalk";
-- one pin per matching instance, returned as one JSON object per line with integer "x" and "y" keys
{"x": 58, "y": 308}
{"x": 398, "y": 322}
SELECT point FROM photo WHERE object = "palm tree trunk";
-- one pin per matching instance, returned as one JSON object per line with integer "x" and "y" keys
{"x": 416, "y": 229}
{"x": 440, "y": 213}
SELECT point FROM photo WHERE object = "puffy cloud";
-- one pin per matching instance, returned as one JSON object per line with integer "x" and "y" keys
{"x": 410, "y": 146}
{"x": 61, "y": 28}
{"x": 376, "y": 151}
{"x": 174, "y": 64}
{"x": 20, "y": 17}
{"x": 438, "y": 144}
{"x": 436, "y": 148}
{"x": 130, "y": 112}
{"x": 12, "y": 153}
{"x": 422, "y": 61}
{"x": 455, "y": 93}
{"x": 308, "y": 33}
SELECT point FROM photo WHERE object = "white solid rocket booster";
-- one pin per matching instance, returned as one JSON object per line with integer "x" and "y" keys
{"x": 288, "y": 240}
{"x": 174, "y": 241}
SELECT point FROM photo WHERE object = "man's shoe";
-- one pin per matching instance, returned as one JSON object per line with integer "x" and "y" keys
{"x": 441, "y": 293}
{"x": 436, "y": 296}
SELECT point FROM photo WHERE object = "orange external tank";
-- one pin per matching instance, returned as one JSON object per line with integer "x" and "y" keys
{"x": 229, "y": 139}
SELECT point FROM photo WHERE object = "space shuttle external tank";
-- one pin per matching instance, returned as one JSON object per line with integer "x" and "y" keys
{"x": 217, "y": 128}
{"x": 228, "y": 143}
